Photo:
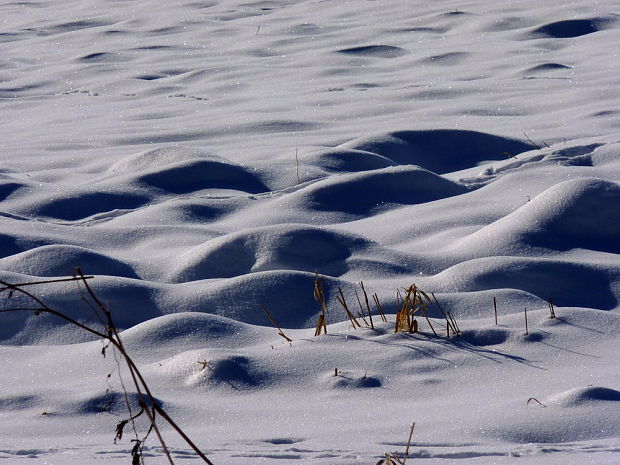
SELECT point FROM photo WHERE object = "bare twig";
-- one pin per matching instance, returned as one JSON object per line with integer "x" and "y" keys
{"x": 147, "y": 402}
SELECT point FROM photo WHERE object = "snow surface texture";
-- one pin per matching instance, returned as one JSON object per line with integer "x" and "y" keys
{"x": 204, "y": 158}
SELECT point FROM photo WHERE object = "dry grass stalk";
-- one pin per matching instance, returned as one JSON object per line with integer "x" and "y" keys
{"x": 343, "y": 302}
{"x": 274, "y": 324}
{"x": 372, "y": 325}
{"x": 453, "y": 322}
{"x": 414, "y": 301}
{"x": 423, "y": 309}
{"x": 495, "y": 309}
{"x": 402, "y": 319}
{"x": 321, "y": 326}
{"x": 408, "y": 442}
{"x": 379, "y": 307}
{"x": 538, "y": 146}
{"x": 534, "y": 399}
{"x": 392, "y": 459}
{"x": 401, "y": 323}
{"x": 405, "y": 317}
{"x": 450, "y": 321}
{"x": 551, "y": 307}
{"x": 361, "y": 312}
{"x": 319, "y": 296}
{"x": 411, "y": 298}
{"x": 526, "y": 329}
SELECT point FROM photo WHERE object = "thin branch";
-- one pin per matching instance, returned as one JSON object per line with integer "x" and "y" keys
{"x": 112, "y": 335}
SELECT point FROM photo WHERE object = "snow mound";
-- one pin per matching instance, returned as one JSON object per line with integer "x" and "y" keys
{"x": 440, "y": 150}
{"x": 347, "y": 380}
{"x": 77, "y": 205}
{"x": 192, "y": 330}
{"x": 590, "y": 395}
{"x": 570, "y": 28}
{"x": 286, "y": 294}
{"x": 62, "y": 260}
{"x": 381, "y": 51}
{"x": 282, "y": 247}
{"x": 371, "y": 192}
{"x": 190, "y": 176}
{"x": 566, "y": 282}
{"x": 9, "y": 245}
{"x": 345, "y": 160}
{"x": 161, "y": 156}
{"x": 578, "y": 213}
{"x": 235, "y": 372}
{"x": 486, "y": 337}
{"x": 8, "y": 188}
{"x": 577, "y": 414}
{"x": 111, "y": 402}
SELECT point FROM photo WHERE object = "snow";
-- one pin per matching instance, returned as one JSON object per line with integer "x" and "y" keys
{"x": 204, "y": 159}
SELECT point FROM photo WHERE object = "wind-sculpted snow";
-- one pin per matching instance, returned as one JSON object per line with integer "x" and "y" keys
{"x": 211, "y": 163}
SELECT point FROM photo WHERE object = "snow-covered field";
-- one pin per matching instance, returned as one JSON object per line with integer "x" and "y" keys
{"x": 205, "y": 158}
